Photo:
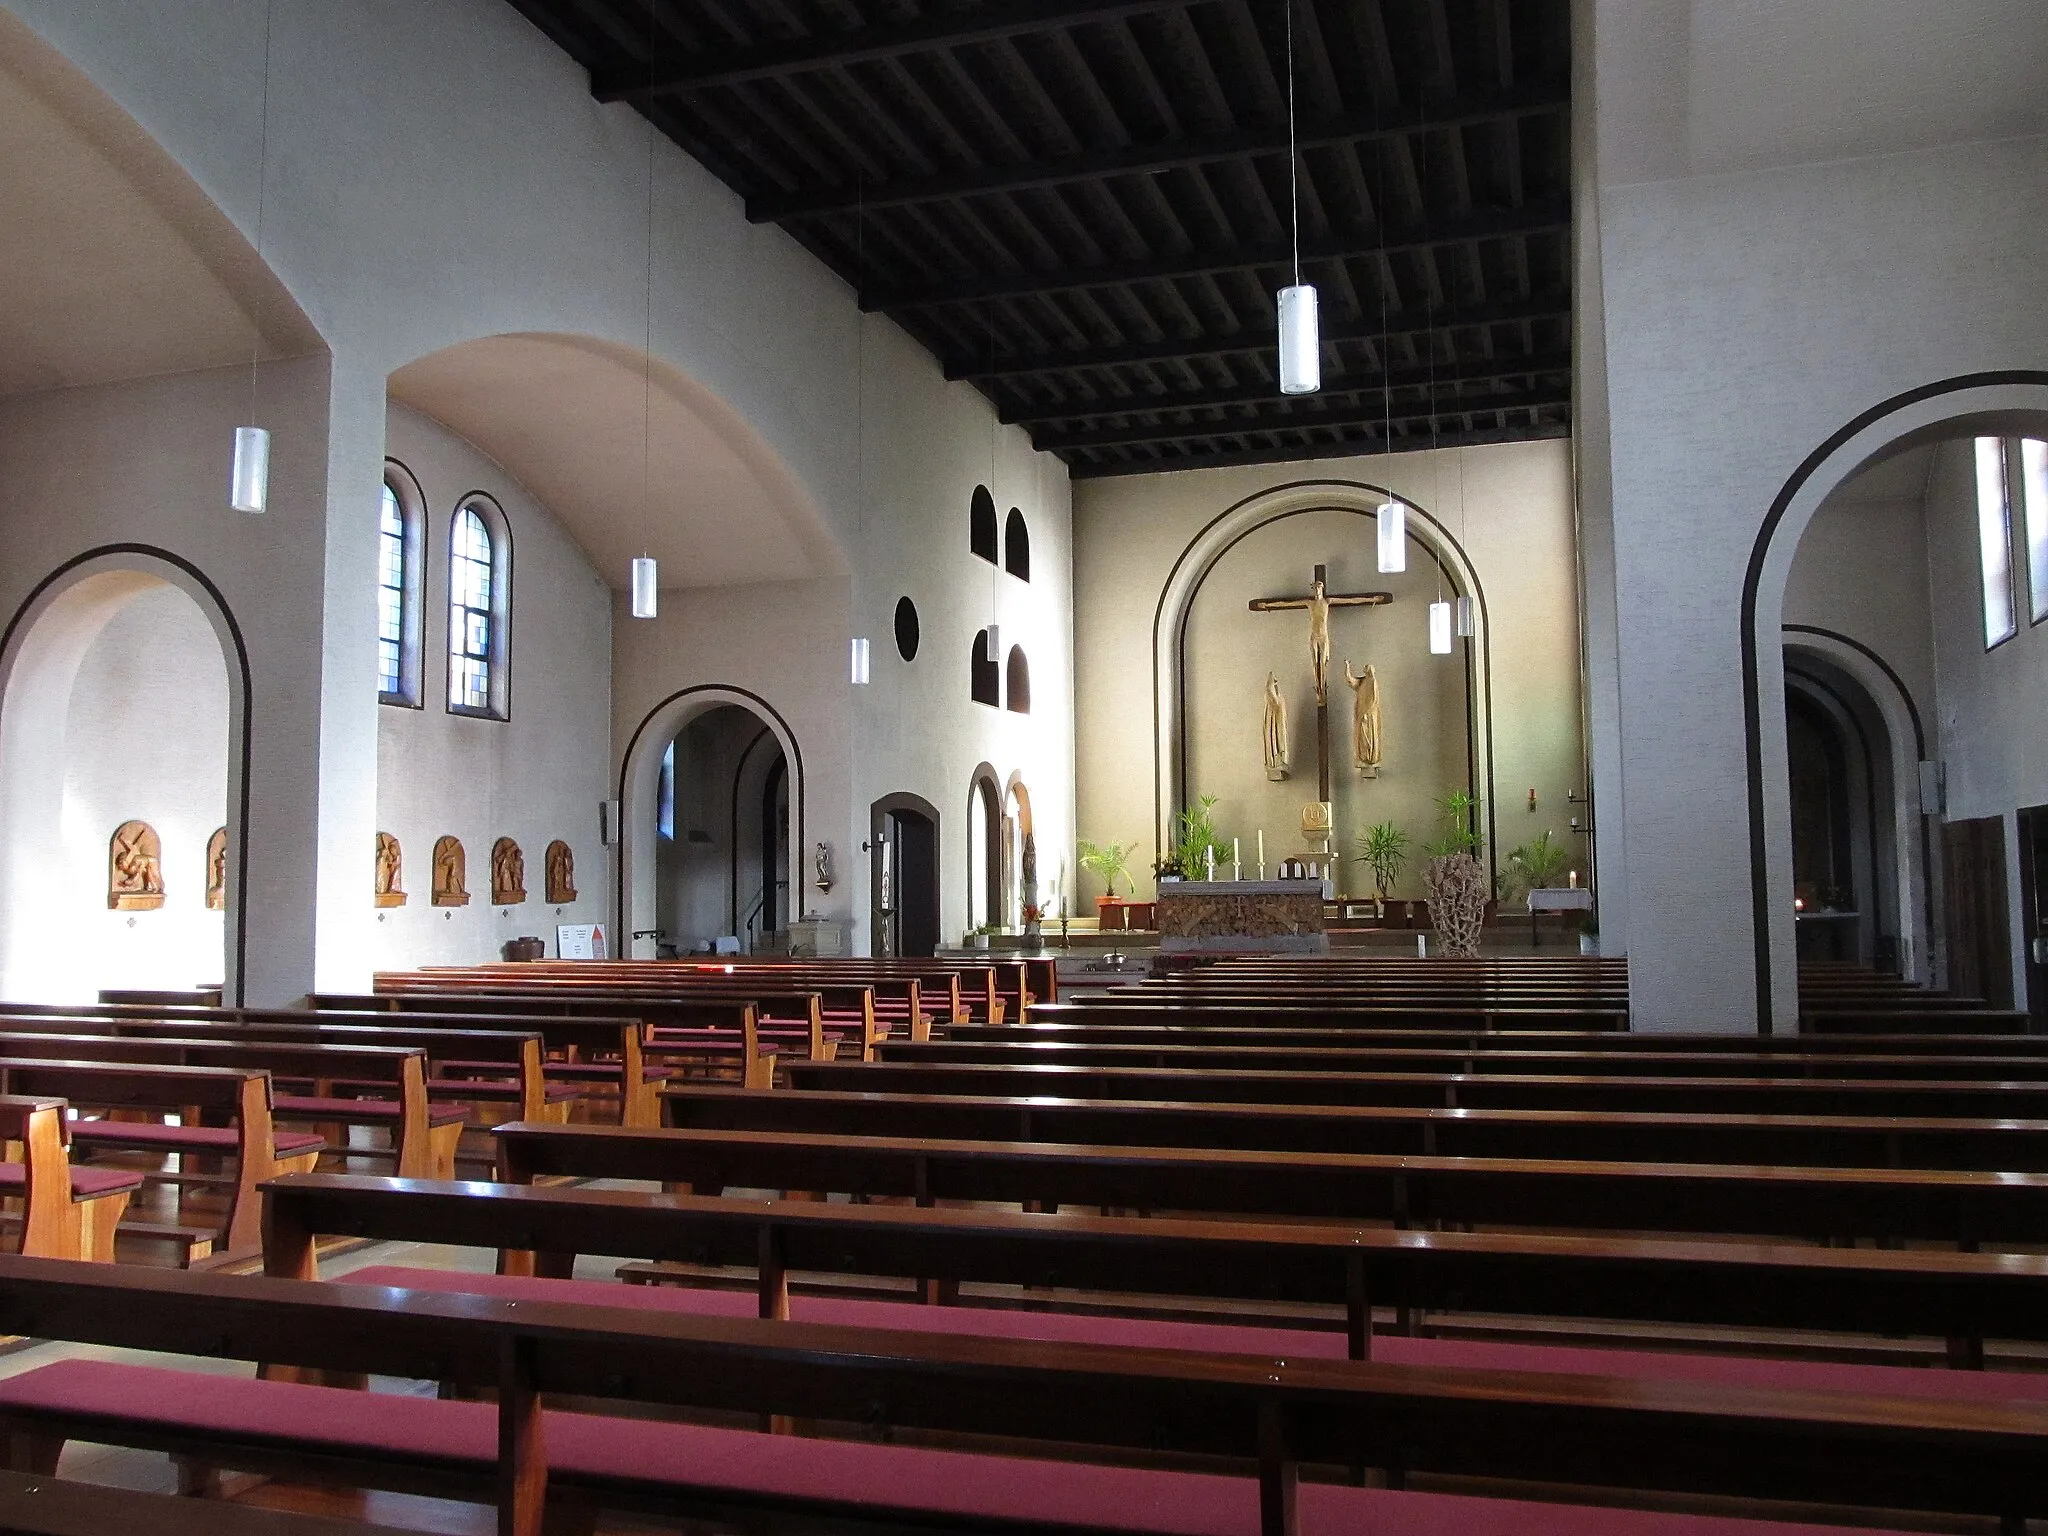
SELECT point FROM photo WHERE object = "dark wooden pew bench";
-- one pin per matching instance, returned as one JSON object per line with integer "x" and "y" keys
{"x": 61, "y": 1212}
{"x": 49, "y": 1506}
{"x": 1271, "y": 1416}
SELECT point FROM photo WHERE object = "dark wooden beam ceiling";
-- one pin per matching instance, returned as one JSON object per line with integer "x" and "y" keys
{"x": 1085, "y": 206}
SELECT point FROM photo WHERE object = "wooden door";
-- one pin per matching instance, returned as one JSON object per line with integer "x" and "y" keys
{"x": 2034, "y": 910}
{"x": 1973, "y": 866}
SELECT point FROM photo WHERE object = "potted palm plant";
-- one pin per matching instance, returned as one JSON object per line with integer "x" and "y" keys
{"x": 1535, "y": 866}
{"x": 1111, "y": 861}
{"x": 1383, "y": 849}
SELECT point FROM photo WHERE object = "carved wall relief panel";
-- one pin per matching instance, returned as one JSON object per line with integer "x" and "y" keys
{"x": 561, "y": 873}
{"x": 508, "y": 873}
{"x": 451, "y": 873}
{"x": 390, "y": 887}
{"x": 135, "y": 868}
{"x": 217, "y": 871}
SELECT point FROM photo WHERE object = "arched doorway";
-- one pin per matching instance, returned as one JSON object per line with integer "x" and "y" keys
{"x": 1020, "y": 854}
{"x": 903, "y": 844}
{"x": 1846, "y": 885}
{"x": 123, "y": 752}
{"x": 712, "y": 821}
{"x": 984, "y": 848}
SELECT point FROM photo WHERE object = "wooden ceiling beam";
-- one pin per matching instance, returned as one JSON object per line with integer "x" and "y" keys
{"x": 639, "y": 80}
{"x": 1446, "y": 375}
{"x": 1105, "y": 469}
{"x": 1150, "y": 159}
{"x": 1551, "y": 216}
{"x": 1295, "y": 420}
{"x": 1178, "y": 348}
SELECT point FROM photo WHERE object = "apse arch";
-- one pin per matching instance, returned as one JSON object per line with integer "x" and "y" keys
{"x": 639, "y": 784}
{"x": 41, "y": 650}
{"x": 1215, "y": 540}
{"x": 2001, "y": 401}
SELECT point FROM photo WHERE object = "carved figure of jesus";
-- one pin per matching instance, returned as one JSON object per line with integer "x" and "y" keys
{"x": 390, "y": 866}
{"x": 138, "y": 866}
{"x": 1319, "y": 637}
{"x": 1365, "y": 719}
{"x": 1276, "y": 730}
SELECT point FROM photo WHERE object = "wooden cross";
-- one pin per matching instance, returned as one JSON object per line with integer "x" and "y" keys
{"x": 1319, "y": 601}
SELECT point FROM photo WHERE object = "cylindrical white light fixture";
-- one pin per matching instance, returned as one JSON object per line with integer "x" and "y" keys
{"x": 1439, "y": 628}
{"x": 863, "y": 661}
{"x": 1467, "y": 618}
{"x": 646, "y": 587}
{"x": 1301, "y": 342}
{"x": 249, "y": 483}
{"x": 1393, "y": 526}
{"x": 995, "y": 642}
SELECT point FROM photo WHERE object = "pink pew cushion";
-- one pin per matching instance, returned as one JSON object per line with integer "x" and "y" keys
{"x": 86, "y": 1183}
{"x": 638, "y": 1454}
{"x": 150, "y": 1136}
{"x": 1227, "y": 1338}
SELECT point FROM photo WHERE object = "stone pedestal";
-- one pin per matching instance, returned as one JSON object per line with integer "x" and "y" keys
{"x": 1242, "y": 917}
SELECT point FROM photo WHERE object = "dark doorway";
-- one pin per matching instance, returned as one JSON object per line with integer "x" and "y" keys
{"x": 1973, "y": 866}
{"x": 2034, "y": 911}
{"x": 904, "y": 876}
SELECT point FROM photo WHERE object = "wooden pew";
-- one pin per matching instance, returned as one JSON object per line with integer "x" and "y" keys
{"x": 65, "y": 1212}
{"x": 1960, "y": 1298}
{"x": 589, "y": 1035}
{"x": 422, "y": 1136}
{"x": 1731, "y": 1095}
{"x": 45, "y": 1506}
{"x": 1968, "y": 1208}
{"x": 1813, "y": 1141}
{"x": 239, "y": 1096}
{"x": 1501, "y": 1054}
{"x": 1277, "y": 1010}
{"x": 1269, "y": 1416}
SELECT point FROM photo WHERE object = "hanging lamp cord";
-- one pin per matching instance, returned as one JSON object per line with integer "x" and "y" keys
{"x": 1293, "y": 151}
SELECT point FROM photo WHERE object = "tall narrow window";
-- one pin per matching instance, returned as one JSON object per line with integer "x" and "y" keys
{"x": 479, "y": 593}
{"x": 398, "y": 588}
{"x": 1994, "y": 541}
{"x": 2034, "y": 498}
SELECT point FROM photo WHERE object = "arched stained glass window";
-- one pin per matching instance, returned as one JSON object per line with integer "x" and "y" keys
{"x": 398, "y": 588}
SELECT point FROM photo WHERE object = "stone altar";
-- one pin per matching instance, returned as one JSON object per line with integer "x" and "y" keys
{"x": 1242, "y": 917}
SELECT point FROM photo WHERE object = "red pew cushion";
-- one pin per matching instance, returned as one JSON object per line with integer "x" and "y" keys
{"x": 86, "y": 1183}
{"x": 591, "y": 1449}
{"x": 313, "y": 1107}
{"x": 150, "y": 1136}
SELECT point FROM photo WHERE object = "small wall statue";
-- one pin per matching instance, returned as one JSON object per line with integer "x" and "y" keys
{"x": 451, "y": 873}
{"x": 390, "y": 886}
{"x": 135, "y": 868}
{"x": 508, "y": 873}
{"x": 1365, "y": 720}
{"x": 560, "y": 870}
{"x": 1275, "y": 731}
{"x": 217, "y": 871}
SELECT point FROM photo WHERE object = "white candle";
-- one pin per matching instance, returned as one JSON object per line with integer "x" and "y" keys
{"x": 1236, "y": 858}
{"x": 1209, "y": 861}
{"x": 1262, "y": 850}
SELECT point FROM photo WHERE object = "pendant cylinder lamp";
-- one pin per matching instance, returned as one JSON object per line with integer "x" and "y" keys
{"x": 1393, "y": 530}
{"x": 1439, "y": 628}
{"x": 249, "y": 481}
{"x": 1301, "y": 346}
{"x": 1467, "y": 618}
{"x": 646, "y": 587}
{"x": 862, "y": 661}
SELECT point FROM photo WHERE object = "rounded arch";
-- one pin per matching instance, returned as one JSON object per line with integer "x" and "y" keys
{"x": 981, "y": 525}
{"x": 1017, "y": 545}
{"x": 985, "y": 673}
{"x": 38, "y": 659}
{"x": 1215, "y": 540}
{"x": 2014, "y": 400}
{"x": 639, "y": 776}
{"x": 984, "y": 848}
{"x": 401, "y": 655}
{"x": 496, "y": 659}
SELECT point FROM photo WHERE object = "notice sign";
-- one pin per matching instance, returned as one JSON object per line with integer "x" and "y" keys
{"x": 580, "y": 941}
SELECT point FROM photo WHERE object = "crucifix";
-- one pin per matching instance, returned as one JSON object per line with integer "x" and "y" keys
{"x": 1319, "y": 601}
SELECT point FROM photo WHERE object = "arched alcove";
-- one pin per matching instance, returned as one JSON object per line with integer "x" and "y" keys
{"x": 1277, "y": 526}
{"x": 981, "y": 525}
{"x": 1949, "y": 411}
{"x": 985, "y": 674}
{"x": 984, "y": 847}
{"x": 123, "y": 697}
{"x": 640, "y": 774}
{"x": 1017, "y": 545}
{"x": 1017, "y": 682}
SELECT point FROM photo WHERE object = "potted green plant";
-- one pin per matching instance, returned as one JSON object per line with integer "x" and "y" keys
{"x": 1195, "y": 839}
{"x": 1383, "y": 849}
{"x": 978, "y": 937}
{"x": 1111, "y": 861}
{"x": 1534, "y": 866}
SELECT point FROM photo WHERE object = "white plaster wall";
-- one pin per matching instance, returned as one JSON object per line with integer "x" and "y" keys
{"x": 1512, "y": 513}
{"x": 535, "y": 777}
{"x": 1862, "y": 570}
{"x": 439, "y": 172}
{"x": 1747, "y": 316}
